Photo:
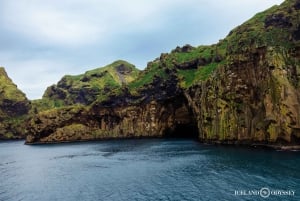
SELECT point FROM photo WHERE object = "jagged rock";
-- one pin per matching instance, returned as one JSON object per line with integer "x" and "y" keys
{"x": 184, "y": 49}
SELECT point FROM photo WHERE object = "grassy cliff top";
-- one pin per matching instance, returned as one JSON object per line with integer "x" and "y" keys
{"x": 115, "y": 74}
{"x": 277, "y": 27}
{"x": 187, "y": 63}
{"x": 8, "y": 90}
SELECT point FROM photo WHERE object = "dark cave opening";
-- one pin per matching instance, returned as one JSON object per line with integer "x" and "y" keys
{"x": 294, "y": 138}
{"x": 183, "y": 131}
{"x": 183, "y": 123}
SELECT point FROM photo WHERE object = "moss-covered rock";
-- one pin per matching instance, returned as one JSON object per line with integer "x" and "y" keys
{"x": 90, "y": 86}
{"x": 255, "y": 96}
{"x": 76, "y": 123}
{"x": 14, "y": 107}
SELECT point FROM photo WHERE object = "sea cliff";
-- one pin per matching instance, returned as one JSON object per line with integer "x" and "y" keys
{"x": 242, "y": 90}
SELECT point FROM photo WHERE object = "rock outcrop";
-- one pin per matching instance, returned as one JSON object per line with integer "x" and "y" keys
{"x": 14, "y": 108}
{"x": 245, "y": 89}
{"x": 92, "y": 85}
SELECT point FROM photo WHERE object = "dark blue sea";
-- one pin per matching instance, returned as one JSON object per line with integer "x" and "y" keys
{"x": 148, "y": 169}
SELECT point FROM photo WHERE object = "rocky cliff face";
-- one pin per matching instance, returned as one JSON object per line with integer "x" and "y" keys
{"x": 245, "y": 89}
{"x": 155, "y": 108}
{"x": 251, "y": 102}
{"x": 153, "y": 119}
{"x": 255, "y": 96}
{"x": 14, "y": 107}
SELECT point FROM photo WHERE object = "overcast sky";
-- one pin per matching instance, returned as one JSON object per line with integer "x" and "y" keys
{"x": 42, "y": 40}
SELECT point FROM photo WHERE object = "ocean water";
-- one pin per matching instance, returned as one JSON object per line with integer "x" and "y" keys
{"x": 148, "y": 169}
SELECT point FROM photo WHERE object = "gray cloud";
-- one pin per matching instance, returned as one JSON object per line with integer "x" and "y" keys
{"x": 43, "y": 40}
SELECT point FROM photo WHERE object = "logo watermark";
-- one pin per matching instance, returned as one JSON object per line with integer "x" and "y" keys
{"x": 264, "y": 192}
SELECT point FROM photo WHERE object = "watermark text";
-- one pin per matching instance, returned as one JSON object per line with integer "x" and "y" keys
{"x": 264, "y": 192}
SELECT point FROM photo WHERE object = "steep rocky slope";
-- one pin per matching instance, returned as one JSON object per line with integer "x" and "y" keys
{"x": 14, "y": 107}
{"x": 245, "y": 89}
{"x": 88, "y": 87}
{"x": 255, "y": 96}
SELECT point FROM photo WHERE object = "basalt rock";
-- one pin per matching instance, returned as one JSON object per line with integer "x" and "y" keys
{"x": 250, "y": 102}
{"x": 153, "y": 119}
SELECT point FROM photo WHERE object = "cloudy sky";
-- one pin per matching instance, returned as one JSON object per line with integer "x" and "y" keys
{"x": 42, "y": 40}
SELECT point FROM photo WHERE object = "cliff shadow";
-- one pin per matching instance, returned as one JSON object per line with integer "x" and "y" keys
{"x": 189, "y": 131}
{"x": 185, "y": 124}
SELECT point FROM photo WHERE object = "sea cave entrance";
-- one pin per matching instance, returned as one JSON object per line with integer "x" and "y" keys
{"x": 182, "y": 123}
{"x": 189, "y": 131}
